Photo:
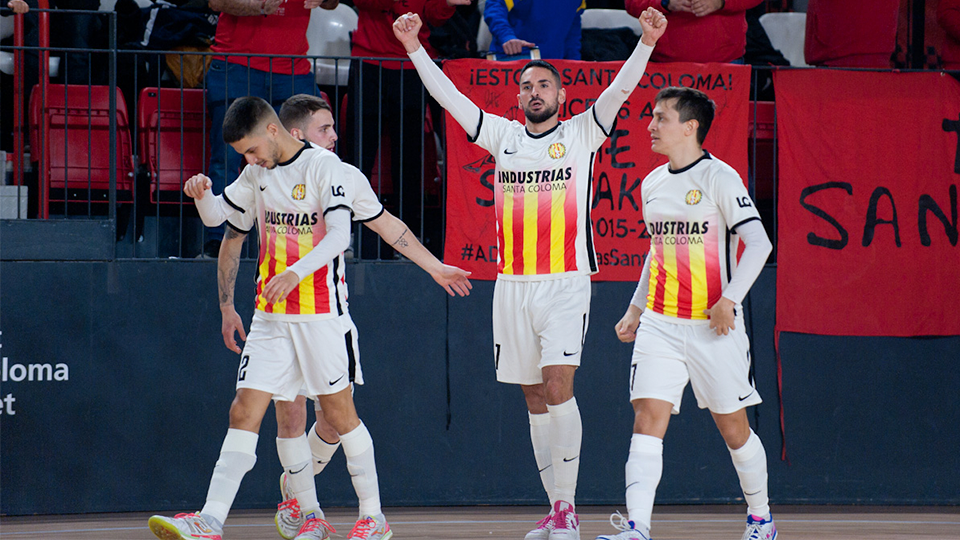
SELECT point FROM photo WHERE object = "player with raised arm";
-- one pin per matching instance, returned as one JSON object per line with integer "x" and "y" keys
{"x": 685, "y": 315}
{"x": 309, "y": 118}
{"x": 301, "y": 335}
{"x": 541, "y": 300}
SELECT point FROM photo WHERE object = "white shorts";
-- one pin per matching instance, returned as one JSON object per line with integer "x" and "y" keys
{"x": 537, "y": 324}
{"x": 667, "y": 355}
{"x": 282, "y": 357}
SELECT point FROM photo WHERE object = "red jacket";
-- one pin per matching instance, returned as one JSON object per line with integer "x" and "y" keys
{"x": 374, "y": 36}
{"x": 851, "y": 33}
{"x": 948, "y": 15}
{"x": 718, "y": 37}
{"x": 283, "y": 32}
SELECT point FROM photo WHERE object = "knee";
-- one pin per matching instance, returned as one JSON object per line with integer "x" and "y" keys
{"x": 535, "y": 398}
{"x": 243, "y": 416}
{"x": 291, "y": 419}
{"x": 325, "y": 430}
{"x": 558, "y": 390}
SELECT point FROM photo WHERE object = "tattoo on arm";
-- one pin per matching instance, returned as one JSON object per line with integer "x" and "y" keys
{"x": 401, "y": 241}
{"x": 227, "y": 268}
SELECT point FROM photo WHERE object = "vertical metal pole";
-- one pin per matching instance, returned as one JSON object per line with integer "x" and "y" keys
{"x": 112, "y": 17}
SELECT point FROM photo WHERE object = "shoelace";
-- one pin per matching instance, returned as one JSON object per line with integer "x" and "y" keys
{"x": 545, "y": 522}
{"x": 362, "y": 528}
{"x": 562, "y": 519}
{"x": 624, "y": 523}
{"x": 314, "y": 524}
{"x": 290, "y": 504}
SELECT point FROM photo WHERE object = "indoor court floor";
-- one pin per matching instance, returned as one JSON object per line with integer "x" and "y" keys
{"x": 512, "y": 522}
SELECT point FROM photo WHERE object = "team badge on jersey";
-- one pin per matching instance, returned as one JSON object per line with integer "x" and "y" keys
{"x": 694, "y": 196}
{"x": 557, "y": 150}
{"x": 299, "y": 192}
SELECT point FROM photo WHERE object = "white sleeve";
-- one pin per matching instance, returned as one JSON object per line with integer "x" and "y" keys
{"x": 464, "y": 111}
{"x": 608, "y": 104}
{"x": 643, "y": 286}
{"x": 751, "y": 263}
{"x": 334, "y": 242}
{"x": 214, "y": 210}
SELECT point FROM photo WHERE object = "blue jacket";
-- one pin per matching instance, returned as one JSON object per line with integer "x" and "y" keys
{"x": 553, "y": 25}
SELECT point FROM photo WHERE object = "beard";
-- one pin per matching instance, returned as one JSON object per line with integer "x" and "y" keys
{"x": 543, "y": 115}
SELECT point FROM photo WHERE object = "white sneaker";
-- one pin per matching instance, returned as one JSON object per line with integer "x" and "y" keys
{"x": 371, "y": 528}
{"x": 628, "y": 529}
{"x": 315, "y": 529}
{"x": 542, "y": 531}
{"x": 760, "y": 528}
{"x": 184, "y": 527}
{"x": 288, "y": 517}
{"x": 566, "y": 523}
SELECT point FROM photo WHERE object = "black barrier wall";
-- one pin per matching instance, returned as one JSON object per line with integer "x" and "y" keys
{"x": 116, "y": 384}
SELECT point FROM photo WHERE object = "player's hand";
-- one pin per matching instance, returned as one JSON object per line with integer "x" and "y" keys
{"x": 453, "y": 280}
{"x": 406, "y": 29}
{"x": 654, "y": 24}
{"x": 627, "y": 327}
{"x": 701, "y": 8}
{"x": 230, "y": 326}
{"x": 18, "y": 6}
{"x": 721, "y": 316}
{"x": 197, "y": 186}
{"x": 280, "y": 286}
{"x": 516, "y": 46}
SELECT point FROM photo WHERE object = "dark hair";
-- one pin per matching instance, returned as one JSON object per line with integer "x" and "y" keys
{"x": 244, "y": 116}
{"x": 692, "y": 104}
{"x": 545, "y": 65}
{"x": 297, "y": 109}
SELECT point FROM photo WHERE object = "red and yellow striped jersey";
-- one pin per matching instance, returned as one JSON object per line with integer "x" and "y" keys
{"x": 691, "y": 215}
{"x": 542, "y": 195}
{"x": 289, "y": 202}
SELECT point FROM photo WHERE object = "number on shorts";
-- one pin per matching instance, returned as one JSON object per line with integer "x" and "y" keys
{"x": 633, "y": 375}
{"x": 496, "y": 360}
{"x": 242, "y": 373}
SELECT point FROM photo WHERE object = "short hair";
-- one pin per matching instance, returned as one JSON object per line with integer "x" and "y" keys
{"x": 244, "y": 116}
{"x": 545, "y": 65}
{"x": 692, "y": 104}
{"x": 297, "y": 110}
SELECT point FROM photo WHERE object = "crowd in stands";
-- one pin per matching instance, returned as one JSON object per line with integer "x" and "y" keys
{"x": 379, "y": 133}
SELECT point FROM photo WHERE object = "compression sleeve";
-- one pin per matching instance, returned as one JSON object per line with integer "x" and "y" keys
{"x": 754, "y": 256}
{"x": 643, "y": 286}
{"x": 334, "y": 242}
{"x": 609, "y": 102}
{"x": 213, "y": 210}
{"x": 464, "y": 111}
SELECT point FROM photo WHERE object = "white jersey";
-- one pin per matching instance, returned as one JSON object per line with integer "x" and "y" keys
{"x": 691, "y": 215}
{"x": 542, "y": 195}
{"x": 289, "y": 202}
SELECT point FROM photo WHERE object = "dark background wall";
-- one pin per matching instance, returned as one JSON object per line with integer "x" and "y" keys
{"x": 139, "y": 423}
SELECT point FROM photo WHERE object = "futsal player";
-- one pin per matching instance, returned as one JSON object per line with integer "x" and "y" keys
{"x": 301, "y": 335}
{"x": 309, "y": 118}
{"x": 687, "y": 307}
{"x": 541, "y": 300}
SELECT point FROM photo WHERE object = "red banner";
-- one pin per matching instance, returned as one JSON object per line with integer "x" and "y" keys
{"x": 869, "y": 166}
{"x": 622, "y": 163}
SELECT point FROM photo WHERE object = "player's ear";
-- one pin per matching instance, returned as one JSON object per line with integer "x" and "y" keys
{"x": 691, "y": 126}
{"x": 562, "y": 95}
{"x": 297, "y": 134}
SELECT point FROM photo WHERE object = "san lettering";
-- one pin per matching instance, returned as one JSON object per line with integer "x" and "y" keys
{"x": 881, "y": 211}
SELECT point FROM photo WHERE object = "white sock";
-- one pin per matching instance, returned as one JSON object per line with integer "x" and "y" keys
{"x": 750, "y": 460}
{"x": 644, "y": 467}
{"x": 322, "y": 450}
{"x": 540, "y": 437}
{"x": 566, "y": 432}
{"x": 358, "y": 447}
{"x": 295, "y": 460}
{"x": 237, "y": 456}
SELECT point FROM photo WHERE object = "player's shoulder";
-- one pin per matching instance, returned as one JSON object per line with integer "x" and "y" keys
{"x": 721, "y": 173}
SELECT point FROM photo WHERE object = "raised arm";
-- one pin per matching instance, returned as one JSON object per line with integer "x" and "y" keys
{"x": 213, "y": 210}
{"x": 608, "y": 104}
{"x": 395, "y": 232}
{"x": 228, "y": 263}
{"x": 406, "y": 29}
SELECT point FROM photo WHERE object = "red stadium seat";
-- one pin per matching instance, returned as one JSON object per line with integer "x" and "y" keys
{"x": 79, "y": 142}
{"x": 174, "y": 135}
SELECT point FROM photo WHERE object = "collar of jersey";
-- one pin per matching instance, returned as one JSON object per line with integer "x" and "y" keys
{"x": 541, "y": 135}
{"x": 306, "y": 144}
{"x": 706, "y": 155}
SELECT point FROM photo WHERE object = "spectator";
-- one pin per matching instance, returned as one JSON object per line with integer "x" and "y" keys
{"x": 551, "y": 25}
{"x": 253, "y": 27}
{"x": 842, "y": 33}
{"x": 386, "y": 96}
{"x": 700, "y": 30}
{"x": 948, "y": 15}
